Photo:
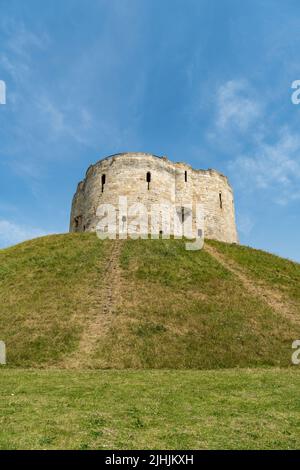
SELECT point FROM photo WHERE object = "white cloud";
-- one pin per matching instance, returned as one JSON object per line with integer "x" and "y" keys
{"x": 268, "y": 156}
{"x": 12, "y": 233}
{"x": 272, "y": 166}
{"x": 237, "y": 107}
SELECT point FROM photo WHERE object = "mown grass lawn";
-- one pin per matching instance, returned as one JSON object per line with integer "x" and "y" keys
{"x": 161, "y": 409}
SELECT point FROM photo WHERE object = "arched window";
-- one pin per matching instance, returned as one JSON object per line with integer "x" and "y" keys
{"x": 103, "y": 178}
{"x": 220, "y": 200}
{"x": 148, "y": 178}
{"x": 185, "y": 176}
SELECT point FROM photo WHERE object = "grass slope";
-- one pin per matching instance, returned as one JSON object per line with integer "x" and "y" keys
{"x": 271, "y": 270}
{"x": 232, "y": 409}
{"x": 46, "y": 286}
{"x": 174, "y": 308}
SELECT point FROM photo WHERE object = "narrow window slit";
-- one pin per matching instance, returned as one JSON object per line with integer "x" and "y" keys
{"x": 148, "y": 179}
{"x": 103, "y": 179}
{"x": 182, "y": 214}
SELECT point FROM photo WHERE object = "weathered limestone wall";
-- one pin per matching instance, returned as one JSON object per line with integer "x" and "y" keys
{"x": 125, "y": 175}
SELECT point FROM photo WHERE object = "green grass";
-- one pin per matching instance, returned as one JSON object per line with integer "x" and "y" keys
{"x": 184, "y": 310}
{"x": 265, "y": 267}
{"x": 176, "y": 309}
{"x": 46, "y": 285}
{"x": 230, "y": 409}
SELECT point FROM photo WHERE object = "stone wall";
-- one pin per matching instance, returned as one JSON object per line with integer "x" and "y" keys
{"x": 176, "y": 184}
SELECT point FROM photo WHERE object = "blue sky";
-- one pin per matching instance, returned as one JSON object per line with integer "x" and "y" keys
{"x": 202, "y": 81}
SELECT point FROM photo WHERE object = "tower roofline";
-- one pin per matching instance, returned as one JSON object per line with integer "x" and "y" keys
{"x": 161, "y": 157}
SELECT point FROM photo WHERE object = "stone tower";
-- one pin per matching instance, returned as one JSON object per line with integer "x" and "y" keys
{"x": 148, "y": 179}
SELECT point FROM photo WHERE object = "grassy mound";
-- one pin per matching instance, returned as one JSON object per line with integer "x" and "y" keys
{"x": 172, "y": 308}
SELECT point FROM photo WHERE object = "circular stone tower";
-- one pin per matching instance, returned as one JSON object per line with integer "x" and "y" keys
{"x": 147, "y": 179}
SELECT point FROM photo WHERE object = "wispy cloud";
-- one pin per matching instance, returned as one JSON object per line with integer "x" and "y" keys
{"x": 62, "y": 121}
{"x": 273, "y": 166}
{"x": 238, "y": 116}
{"x": 237, "y": 107}
{"x": 49, "y": 116}
{"x": 18, "y": 43}
{"x": 267, "y": 155}
{"x": 12, "y": 233}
